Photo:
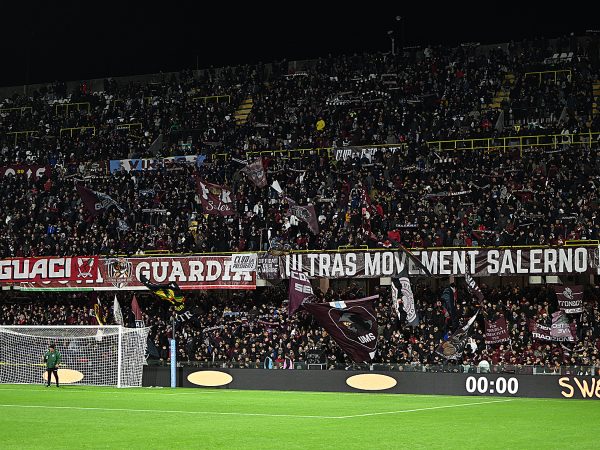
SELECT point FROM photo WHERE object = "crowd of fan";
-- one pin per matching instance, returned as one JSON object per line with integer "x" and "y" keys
{"x": 410, "y": 195}
{"x": 541, "y": 198}
{"x": 252, "y": 329}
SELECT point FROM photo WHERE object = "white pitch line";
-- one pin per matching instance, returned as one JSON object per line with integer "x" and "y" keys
{"x": 218, "y": 413}
{"x": 79, "y": 391}
{"x": 423, "y": 409}
{"x": 78, "y": 408}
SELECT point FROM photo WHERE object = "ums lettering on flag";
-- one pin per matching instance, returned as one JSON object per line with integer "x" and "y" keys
{"x": 352, "y": 324}
{"x": 402, "y": 294}
{"x": 299, "y": 290}
{"x": 256, "y": 173}
{"x": 215, "y": 199}
{"x": 95, "y": 201}
{"x": 454, "y": 347}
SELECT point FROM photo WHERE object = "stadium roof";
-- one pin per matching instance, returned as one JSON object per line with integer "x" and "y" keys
{"x": 46, "y": 43}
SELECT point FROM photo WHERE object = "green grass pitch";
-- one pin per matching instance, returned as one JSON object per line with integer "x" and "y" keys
{"x": 92, "y": 417}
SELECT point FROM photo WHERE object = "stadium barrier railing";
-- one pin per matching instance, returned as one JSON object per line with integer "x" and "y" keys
{"x": 552, "y": 73}
{"x": 515, "y": 142}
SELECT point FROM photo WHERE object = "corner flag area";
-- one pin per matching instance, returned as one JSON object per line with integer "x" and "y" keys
{"x": 94, "y": 417}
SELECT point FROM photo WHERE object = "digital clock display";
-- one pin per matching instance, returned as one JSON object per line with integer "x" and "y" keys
{"x": 500, "y": 385}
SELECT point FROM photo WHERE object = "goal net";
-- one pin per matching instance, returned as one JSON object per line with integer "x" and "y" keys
{"x": 109, "y": 355}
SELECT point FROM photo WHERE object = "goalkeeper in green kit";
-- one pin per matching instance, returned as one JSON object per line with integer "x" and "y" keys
{"x": 52, "y": 360}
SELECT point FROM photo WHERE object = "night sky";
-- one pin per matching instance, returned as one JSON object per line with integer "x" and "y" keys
{"x": 45, "y": 43}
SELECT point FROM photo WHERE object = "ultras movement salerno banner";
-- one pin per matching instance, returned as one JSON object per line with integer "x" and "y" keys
{"x": 479, "y": 262}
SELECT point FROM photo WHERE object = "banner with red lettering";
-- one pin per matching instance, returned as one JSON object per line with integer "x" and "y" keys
{"x": 48, "y": 269}
{"x": 191, "y": 272}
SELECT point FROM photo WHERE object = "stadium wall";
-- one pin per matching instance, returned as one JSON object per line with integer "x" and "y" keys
{"x": 500, "y": 385}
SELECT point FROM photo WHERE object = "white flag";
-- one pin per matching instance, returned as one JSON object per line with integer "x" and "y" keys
{"x": 275, "y": 185}
{"x": 117, "y": 312}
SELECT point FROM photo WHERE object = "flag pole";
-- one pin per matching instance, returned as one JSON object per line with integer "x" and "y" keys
{"x": 173, "y": 359}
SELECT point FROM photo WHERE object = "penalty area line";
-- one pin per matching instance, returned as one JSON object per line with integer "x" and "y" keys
{"x": 219, "y": 413}
{"x": 423, "y": 409}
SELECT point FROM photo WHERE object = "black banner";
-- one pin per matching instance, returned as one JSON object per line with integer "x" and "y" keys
{"x": 478, "y": 262}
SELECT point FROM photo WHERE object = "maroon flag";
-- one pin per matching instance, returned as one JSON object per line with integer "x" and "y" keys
{"x": 561, "y": 328}
{"x": 215, "y": 199}
{"x": 559, "y": 331}
{"x": 305, "y": 213}
{"x": 300, "y": 289}
{"x": 95, "y": 201}
{"x": 496, "y": 331}
{"x": 352, "y": 324}
{"x": 137, "y": 313}
{"x": 256, "y": 173}
{"x": 570, "y": 298}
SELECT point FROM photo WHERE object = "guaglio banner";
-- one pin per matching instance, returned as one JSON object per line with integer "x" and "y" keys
{"x": 478, "y": 262}
{"x": 190, "y": 272}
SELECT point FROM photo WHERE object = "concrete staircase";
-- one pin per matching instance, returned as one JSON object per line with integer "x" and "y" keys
{"x": 504, "y": 92}
{"x": 596, "y": 94}
{"x": 243, "y": 111}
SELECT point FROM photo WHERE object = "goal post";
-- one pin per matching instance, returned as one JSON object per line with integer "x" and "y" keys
{"x": 108, "y": 355}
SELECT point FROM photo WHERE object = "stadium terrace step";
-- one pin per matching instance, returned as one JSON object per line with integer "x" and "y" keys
{"x": 596, "y": 94}
{"x": 510, "y": 78}
{"x": 243, "y": 111}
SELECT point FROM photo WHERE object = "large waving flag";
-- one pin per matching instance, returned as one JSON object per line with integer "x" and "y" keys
{"x": 351, "y": 323}
{"x": 95, "y": 201}
{"x": 172, "y": 293}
